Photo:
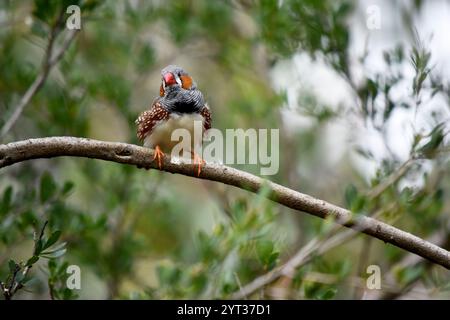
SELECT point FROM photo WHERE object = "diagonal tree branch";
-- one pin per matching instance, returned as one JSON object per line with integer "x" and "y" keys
{"x": 50, "y": 59}
{"x": 134, "y": 155}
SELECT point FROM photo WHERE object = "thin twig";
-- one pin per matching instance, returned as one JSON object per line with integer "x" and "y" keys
{"x": 49, "y": 61}
{"x": 239, "y": 283}
{"x": 362, "y": 263}
{"x": 17, "y": 285}
{"x": 399, "y": 173}
{"x": 64, "y": 46}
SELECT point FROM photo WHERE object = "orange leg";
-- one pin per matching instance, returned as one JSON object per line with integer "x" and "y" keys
{"x": 159, "y": 155}
{"x": 198, "y": 160}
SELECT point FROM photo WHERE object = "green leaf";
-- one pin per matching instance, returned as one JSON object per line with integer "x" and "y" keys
{"x": 271, "y": 261}
{"x": 328, "y": 294}
{"x": 364, "y": 152}
{"x": 264, "y": 248}
{"x": 437, "y": 136}
{"x": 52, "y": 266}
{"x": 32, "y": 261}
{"x": 68, "y": 186}
{"x": 353, "y": 200}
{"x": 48, "y": 11}
{"x": 266, "y": 253}
{"x": 12, "y": 266}
{"x": 38, "y": 247}
{"x": 408, "y": 275}
{"x": 52, "y": 240}
{"x": 19, "y": 277}
{"x": 350, "y": 195}
{"x": 69, "y": 294}
{"x": 48, "y": 187}
{"x": 58, "y": 247}
{"x": 54, "y": 254}
{"x": 90, "y": 5}
{"x": 168, "y": 275}
{"x": 358, "y": 204}
{"x": 5, "y": 205}
{"x": 27, "y": 279}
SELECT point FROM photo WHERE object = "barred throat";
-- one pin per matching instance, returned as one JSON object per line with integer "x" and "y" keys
{"x": 183, "y": 101}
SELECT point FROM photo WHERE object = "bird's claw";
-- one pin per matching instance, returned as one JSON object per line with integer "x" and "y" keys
{"x": 199, "y": 161}
{"x": 159, "y": 155}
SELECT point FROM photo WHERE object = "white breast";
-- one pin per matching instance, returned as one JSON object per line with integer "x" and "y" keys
{"x": 162, "y": 132}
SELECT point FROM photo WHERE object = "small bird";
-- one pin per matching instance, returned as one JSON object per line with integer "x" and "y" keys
{"x": 179, "y": 104}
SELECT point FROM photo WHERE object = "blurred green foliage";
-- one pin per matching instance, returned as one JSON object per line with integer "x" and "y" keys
{"x": 149, "y": 235}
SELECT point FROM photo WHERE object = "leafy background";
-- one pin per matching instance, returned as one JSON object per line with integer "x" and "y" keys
{"x": 355, "y": 107}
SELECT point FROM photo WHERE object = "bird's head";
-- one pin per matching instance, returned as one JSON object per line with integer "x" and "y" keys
{"x": 174, "y": 78}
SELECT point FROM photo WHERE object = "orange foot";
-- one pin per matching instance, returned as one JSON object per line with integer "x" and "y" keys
{"x": 159, "y": 155}
{"x": 198, "y": 160}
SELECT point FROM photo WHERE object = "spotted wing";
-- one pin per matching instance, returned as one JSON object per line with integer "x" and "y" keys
{"x": 148, "y": 119}
{"x": 207, "y": 120}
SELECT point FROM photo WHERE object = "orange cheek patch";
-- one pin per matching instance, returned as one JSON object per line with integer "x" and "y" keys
{"x": 186, "y": 82}
{"x": 161, "y": 91}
